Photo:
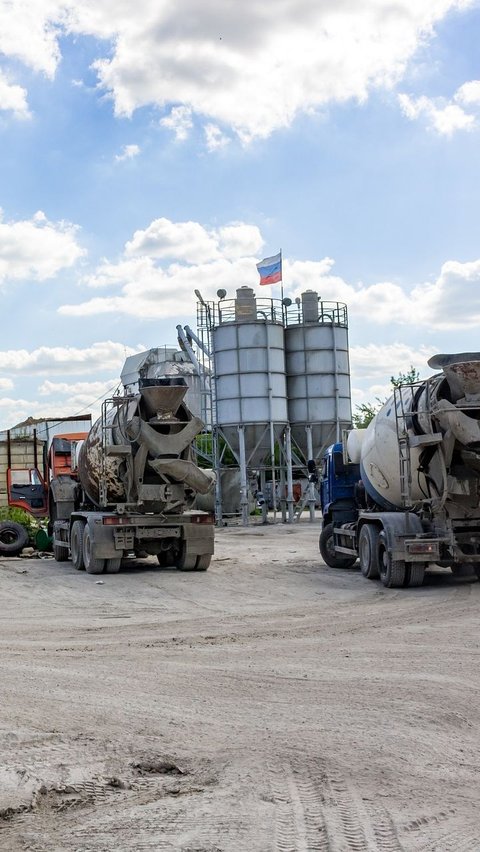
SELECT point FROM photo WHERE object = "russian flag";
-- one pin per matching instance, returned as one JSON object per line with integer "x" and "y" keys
{"x": 270, "y": 269}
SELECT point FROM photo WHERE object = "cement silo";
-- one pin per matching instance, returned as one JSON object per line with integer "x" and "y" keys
{"x": 250, "y": 382}
{"x": 318, "y": 373}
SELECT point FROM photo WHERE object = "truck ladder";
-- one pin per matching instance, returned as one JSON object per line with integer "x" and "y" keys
{"x": 403, "y": 397}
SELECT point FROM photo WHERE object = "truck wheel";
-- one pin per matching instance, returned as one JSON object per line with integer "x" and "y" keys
{"x": 368, "y": 552}
{"x": 463, "y": 569}
{"x": 166, "y": 558}
{"x": 92, "y": 565}
{"x": 76, "y": 545}
{"x": 12, "y": 537}
{"x": 203, "y": 562}
{"x": 186, "y": 562}
{"x": 414, "y": 574}
{"x": 328, "y": 553}
{"x": 392, "y": 571}
{"x": 112, "y": 566}
{"x": 60, "y": 552}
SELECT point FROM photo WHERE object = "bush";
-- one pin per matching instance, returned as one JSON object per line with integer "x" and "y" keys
{"x": 32, "y": 525}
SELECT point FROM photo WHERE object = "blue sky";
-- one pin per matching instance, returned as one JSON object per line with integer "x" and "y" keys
{"x": 147, "y": 151}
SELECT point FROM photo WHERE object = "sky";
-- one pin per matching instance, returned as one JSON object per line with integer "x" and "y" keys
{"x": 155, "y": 148}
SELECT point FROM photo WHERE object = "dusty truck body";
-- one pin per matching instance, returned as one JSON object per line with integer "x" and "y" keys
{"x": 132, "y": 485}
{"x": 405, "y": 492}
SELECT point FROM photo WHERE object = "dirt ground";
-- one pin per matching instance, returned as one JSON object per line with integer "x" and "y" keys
{"x": 270, "y": 703}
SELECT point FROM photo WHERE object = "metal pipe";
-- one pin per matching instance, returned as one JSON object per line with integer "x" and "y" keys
{"x": 336, "y": 390}
{"x": 35, "y": 457}
{"x": 288, "y": 452}
{"x": 243, "y": 476}
{"x": 197, "y": 340}
{"x": 183, "y": 338}
{"x": 311, "y": 486}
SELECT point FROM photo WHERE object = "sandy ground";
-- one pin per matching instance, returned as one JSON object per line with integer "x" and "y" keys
{"x": 271, "y": 703}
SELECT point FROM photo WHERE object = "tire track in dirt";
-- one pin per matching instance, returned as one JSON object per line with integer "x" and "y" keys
{"x": 318, "y": 812}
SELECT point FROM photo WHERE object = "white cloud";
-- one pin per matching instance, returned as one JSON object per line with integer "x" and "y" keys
{"x": 67, "y": 360}
{"x": 149, "y": 292}
{"x": 167, "y": 261}
{"x": 445, "y": 118}
{"x": 214, "y": 137}
{"x": 128, "y": 153}
{"x": 6, "y": 384}
{"x": 36, "y": 248}
{"x": 30, "y": 32}
{"x": 13, "y": 411}
{"x": 187, "y": 241}
{"x": 13, "y": 97}
{"x": 469, "y": 93}
{"x": 90, "y": 390}
{"x": 450, "y": 302}
{"x": 193, "y": 257}
{"x": 179, "y": 121}
{"x": 375, "y": 362}
{"x": 251, "y": 66}
{"x": 239, "y": 240}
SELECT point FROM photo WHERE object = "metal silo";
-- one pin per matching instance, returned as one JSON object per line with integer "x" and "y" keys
{"x": 250, "y": 386}
{"x": 250, "y": 383}
{"x": 318, "y": 373}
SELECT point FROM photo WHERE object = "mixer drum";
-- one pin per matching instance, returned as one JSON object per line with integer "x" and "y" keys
{"x": 141, "y": 451}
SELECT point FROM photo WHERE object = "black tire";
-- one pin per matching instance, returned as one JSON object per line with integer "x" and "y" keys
{"x": 92, "y": 565}
{"x": 60, "y": 552}
{"x": 368, "y": 552}
{"x": 112, "y": 566}
{"x": 464, "y": 569}
{"x": 328, "y": 553}
{"x": 392, "y": 571}
{"x": 186, "y": 562}
{"x": 13, "y": 537}
{"x": 414, "y": 574}
{"x": 76, "y": 545}
{"x": 203, "y": 562}
{"x": 166, "y": 558}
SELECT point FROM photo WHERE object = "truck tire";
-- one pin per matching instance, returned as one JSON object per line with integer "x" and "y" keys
{"x": 60, "y": 552}
{"x": 76, "y": 545}
{"x": 92, "y": 565}
{"x": 463, "y": 569}
{"x": 112, "y": 566}
{"x": 392, "y": 571}
{"x": 415, "y": 574}
{"x": 368, "y": 552}
{"x": 186, "y": 562}
{"x": 328, "y": 553}
{"x": 13, "y": 537}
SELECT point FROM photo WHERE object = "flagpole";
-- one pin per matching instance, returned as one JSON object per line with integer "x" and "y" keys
{"x": 281, "y": 277}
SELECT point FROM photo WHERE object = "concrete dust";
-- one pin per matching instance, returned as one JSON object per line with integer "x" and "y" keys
{"x": 270, "y": 703}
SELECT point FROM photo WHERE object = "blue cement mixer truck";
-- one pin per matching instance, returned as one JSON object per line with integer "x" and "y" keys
{"x": 405, "y": 492}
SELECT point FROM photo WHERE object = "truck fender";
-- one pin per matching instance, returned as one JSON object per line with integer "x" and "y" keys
{"x": 396, "y": 524}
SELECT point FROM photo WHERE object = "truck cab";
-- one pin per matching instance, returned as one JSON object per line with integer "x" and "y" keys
{"x": 338, "y": 482}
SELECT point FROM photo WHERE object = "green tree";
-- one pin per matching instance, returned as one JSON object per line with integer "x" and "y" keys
{"x": 405, "y": 378}
{"x": 367, "y": 410}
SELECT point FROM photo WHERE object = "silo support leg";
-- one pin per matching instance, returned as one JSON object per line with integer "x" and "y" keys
{"x": 243, "y": 476}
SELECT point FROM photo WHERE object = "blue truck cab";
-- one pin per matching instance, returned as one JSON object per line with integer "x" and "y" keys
{"x": 338, "y": 485}
{"x": 338, "y": 482}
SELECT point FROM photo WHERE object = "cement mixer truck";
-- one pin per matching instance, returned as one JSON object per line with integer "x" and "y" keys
{"x": 129, "y": 487}
{"x": 405, "y": 492}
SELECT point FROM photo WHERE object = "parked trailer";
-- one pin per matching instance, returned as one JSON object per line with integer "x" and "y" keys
{"x": 405, "y": 492}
